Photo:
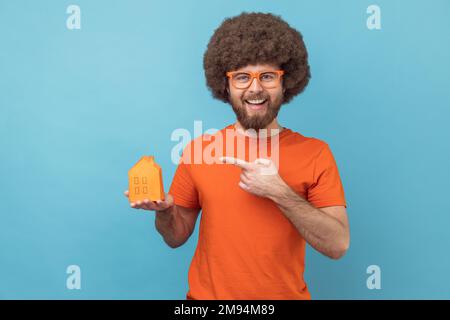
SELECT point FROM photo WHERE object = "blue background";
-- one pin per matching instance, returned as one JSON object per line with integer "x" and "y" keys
{"x": 79, "y": 107}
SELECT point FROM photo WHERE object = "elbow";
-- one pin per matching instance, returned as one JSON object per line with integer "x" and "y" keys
{"x": 340, "y": 250}
{"x": 338, "y": 254}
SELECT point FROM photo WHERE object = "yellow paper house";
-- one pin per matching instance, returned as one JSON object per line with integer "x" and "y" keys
{"x": 145, "y": 181}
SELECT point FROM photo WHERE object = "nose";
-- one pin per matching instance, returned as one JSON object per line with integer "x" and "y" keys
{"x": 255, "y": 86}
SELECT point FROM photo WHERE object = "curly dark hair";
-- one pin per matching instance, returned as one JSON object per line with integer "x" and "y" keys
{"x": 252, "y": 38}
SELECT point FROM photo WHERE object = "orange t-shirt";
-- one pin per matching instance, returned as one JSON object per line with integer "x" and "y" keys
{"x": 247, "y": 247}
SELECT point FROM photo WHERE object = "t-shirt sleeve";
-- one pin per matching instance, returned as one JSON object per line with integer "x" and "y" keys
{"x": 326, "y": 189}
{"x": 183, "y": 189}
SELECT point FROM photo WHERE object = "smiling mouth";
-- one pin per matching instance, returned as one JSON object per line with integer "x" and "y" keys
{"x": 255, "y": 104}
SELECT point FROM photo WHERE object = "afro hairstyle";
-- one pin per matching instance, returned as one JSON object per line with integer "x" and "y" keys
{"x": 256, "y": 38}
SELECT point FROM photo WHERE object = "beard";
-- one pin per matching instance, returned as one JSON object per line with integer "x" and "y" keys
{"x": 258, "y": 120}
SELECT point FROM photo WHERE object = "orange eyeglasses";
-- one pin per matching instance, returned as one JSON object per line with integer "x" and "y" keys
{"x": 243, "y": 80}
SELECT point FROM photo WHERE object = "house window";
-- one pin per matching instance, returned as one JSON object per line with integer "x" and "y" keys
{"x": 144, "y": 180}
{"x": 136, "y": 190}
{"x": 144, "y": 189}
{"x": 136, "y": 180}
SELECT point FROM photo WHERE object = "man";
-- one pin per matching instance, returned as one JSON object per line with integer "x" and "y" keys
{"x": 254, "y": 225}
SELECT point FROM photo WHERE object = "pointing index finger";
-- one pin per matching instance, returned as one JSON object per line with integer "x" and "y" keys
{"x": 239, "y": 162}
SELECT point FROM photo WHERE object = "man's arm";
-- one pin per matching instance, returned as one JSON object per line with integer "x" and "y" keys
{"x": 325, "y": 229}
{"x": 174, "y": 223}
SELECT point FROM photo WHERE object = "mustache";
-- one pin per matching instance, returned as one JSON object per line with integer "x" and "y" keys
{"x": 260, "y": 97}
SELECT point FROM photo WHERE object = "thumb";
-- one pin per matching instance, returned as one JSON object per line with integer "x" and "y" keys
{"x": 168, "y": 200}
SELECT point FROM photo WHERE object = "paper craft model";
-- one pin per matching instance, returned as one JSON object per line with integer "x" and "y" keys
{"x": 145, "y": 181}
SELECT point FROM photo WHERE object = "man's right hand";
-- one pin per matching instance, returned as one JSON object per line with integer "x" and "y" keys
{"x": 159, "y": 205}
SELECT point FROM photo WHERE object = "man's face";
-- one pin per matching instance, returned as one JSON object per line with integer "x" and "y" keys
{"x": 256, "y": 106}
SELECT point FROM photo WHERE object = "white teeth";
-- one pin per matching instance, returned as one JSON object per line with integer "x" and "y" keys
{"x": 256, "y": 101}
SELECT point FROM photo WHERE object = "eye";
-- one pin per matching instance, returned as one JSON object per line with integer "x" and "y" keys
{"x": 242, "y": 77}
{"x": 268, "y": 76}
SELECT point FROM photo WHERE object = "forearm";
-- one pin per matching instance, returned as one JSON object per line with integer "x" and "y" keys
{"x": 323, "y": 232}
{"x": 171, "y": 226}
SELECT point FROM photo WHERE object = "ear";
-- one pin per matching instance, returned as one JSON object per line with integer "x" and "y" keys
{"x": 227, "y": 94}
